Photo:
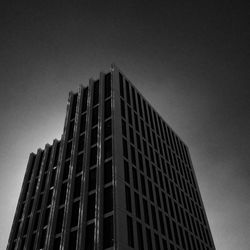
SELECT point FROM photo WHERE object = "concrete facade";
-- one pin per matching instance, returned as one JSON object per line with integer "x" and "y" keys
{"x": 119, "y": 178}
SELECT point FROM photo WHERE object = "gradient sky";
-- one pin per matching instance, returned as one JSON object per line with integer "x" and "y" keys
{"x": 189, "y": 59}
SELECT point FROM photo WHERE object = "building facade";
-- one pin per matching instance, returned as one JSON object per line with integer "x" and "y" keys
{"x": 119, "y": 178}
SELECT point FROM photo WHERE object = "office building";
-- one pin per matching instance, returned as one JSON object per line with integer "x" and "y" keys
{"x": 119, "y": 178}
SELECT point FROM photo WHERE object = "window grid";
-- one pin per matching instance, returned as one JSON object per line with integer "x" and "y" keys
{"x": 182, "y": 175}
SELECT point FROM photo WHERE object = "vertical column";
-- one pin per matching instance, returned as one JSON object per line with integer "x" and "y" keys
{"x": 99, "y": 172}
{"x": 31, "y": 190}
{"x": 84, "y": 187}
{"x": 66, "y": 231}
{"x": 119, "y": 190}
{"x": 55, "y": 220}
{"x": 18, "y": 213}
{"x": 36, "y": 199}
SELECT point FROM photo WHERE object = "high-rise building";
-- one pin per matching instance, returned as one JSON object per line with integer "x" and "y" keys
{"x": 119, "y": 178}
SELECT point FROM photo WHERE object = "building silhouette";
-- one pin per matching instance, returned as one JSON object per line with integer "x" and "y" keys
{"x": 119, "y": 178}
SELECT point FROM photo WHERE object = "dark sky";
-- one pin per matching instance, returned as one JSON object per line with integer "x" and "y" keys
{"x": 189, "y": 59}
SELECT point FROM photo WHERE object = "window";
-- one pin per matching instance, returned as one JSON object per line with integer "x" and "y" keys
{"x": 171, "y": 207}
{"x": 63, "y": 193}
{"x": 126, "y": 172}
{"x": 107, "y": 128}
{"x": 177, "y": 212}
{"x": 148, "y": 134}
{"x": 182, "y": 238}
{"x": 143, "y": 186}
{"x": 36, "y": 219}
{"x": 127, "y": 92}
{"x": 131, "y": 134}
{"x": 71, "y": 130}
{"x": 94, "y": 136}
{"x": 149, "y": 239}
{"x": 42, "y": 239}
{"x": 96, "y": 92}
{"x": 176, "y": 236}
{"x": 81, "y": 143}
{"x": 140, "y": 236}
{"x": 130, "y": 231}
{"x": 164, "y": 243}
{"x": 83, "y": 123}
{"x": 136, "y": 122}
{"x": 107, "y": 85}
{"x": 133, "y": 158}
{"x": 142, "y": 128}
{"x": 125, "y": 148}
{"x": 48, "y": 159}
{"x": 93, "y": 156}
{"x": 145, "y": 208}
{"x": 137, "y": 206}
{"x": 108, "y": 199}
{"x": 140, "y": 161}
{"x": 135, "y": 178}
{"x": 84, "y": 100}
{"x": 156, "y": 123}
{"x": 154, "y": 217}
{"x": 145, "y": 111}
{"x": 77, "y": 188}
{"x": 92, "y": 179}
{"x": 154, "y": 174}
{"x": 40, "y": 201}
{"x": 56, "y": 245}
{"x": 154, "y": 141}
{"x": 46, "y": 217}
{"x": 89, "y": 238}
{"x": 161, "y": 222}
{"x": 134, "y": 99}
{"x": 121, "y": 85}
{"x": 164, "y": 202}
{"x": 138, "y": 141}
{"x": 107, "y": 172}
{"x": 107, "y": 148}
{"x": 108, "y": 240}
{"x": 79, "y": 163}
{"x": 73, "y": 106}
{"x": 147, "y": 168}
{"x": 124, "y": 129}
{"x": 30, "y": 206}
{"x": 188, "y": 240}
{"x": 21, "y": 210}
{"x": 25, "y": 226}
{"x": 151, "y": 154}
{"x": 68, "y": 150}
{"x": 40, "y": 163}
{"x": 157, "y": 241}
{"x": 107, "y": 109}
{"x": 145, "y": 148}
{"x": 139, "y": 103}
{"x": 32, "y": 241}
{"x": 151, "y": 118}
{"x": 72, "y": 240}
{"x": 94, "y": 116}
{"x": 66, "y": 170}
{"x": 128, "y": 199}
{"x": 150, "y": 189}
{"x": 59, "y": 220}
{"x": 161, "y": 180}
{"x": 50, "y": 197}
{"x": 75, "y": 214}
{"x": 123, "y": 109}
{"x": 91, "y": 207}
{"x": 130, "y": 120}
